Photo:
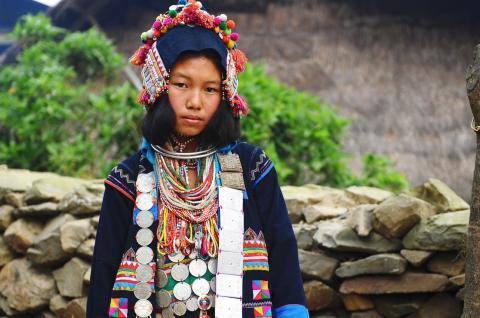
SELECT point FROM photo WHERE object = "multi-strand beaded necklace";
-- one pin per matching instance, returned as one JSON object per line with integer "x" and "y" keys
{"x": 188, "y": 216}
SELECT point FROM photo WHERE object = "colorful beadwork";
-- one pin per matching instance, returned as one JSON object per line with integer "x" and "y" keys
{"x": 262, "y": 312}
{"x": 255, "y": 251}
{"x": 125, "y": 279}
{"x": 118, "y": 308}
{"x": 260, "y": 290}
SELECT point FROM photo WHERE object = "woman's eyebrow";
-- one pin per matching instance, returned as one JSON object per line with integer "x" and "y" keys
{"x": 189, "y": 78}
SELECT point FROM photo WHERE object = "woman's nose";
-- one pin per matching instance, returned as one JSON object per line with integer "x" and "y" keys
{"x": 194, "y": 100}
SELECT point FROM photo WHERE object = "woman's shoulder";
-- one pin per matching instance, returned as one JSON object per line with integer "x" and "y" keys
{"x": 123, "y": 176}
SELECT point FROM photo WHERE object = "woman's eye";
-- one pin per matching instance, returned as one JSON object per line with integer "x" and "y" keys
{"x": 212, "y": 89}
{"x": 181, "y": 85}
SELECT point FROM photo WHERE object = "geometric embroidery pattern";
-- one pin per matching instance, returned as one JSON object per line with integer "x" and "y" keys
{"x": 255, "y": 255}
{"x": 262, "y": 312}
{"x": 260, "y": 290}
{"x": 126, "y": 275}
{"x": 118, "y": 308}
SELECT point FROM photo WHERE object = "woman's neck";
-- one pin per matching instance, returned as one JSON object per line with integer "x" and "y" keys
{"x": 184, "y": 143}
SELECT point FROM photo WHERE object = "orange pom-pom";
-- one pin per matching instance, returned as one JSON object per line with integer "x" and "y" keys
{"x": 226, "y": 39}
{"x": 138, "y": 58}
{"x": 217, "y": 29}
{"x": 231, "y": 24}
{"x": 240, "y": 60}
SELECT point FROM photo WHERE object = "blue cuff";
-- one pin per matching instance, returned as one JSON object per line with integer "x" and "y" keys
{"x": 292, "y": 311}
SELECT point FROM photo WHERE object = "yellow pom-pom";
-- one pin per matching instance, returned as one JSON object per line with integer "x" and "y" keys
{"x": 217, "y": 29}
{"x": 231, "y": 44}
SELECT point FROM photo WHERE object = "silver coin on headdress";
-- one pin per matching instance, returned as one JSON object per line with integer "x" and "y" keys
{"x": 144, "y": 273}
{"x": 192, "y": 303}
{"x": 176, "y": 257}
{"x": 179, "y": 308}
{"x": 197, "y": 267}
{"x": 167, "y": 313}
{"x": 179, "y": 272}
{"x": 213, "y": 284}
{"x": 144, "y": 219}
{"x": 212, "y": 265}
{"x": 143, "y": 308}
{"x": 163, "y": 298}
{"x": 182, "y": 291}
{"x": 144, "y": 201}
{"x": 144, "y": 237}
{"x": 145, "y": 182}
{"x": 144, "y": 255}
{"x": 142, "y": 290}
{"x": 200, "y": 286}
{"x": 162, "y": 279}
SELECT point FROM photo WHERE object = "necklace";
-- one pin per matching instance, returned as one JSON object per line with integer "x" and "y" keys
{"x": 179, "y": 145}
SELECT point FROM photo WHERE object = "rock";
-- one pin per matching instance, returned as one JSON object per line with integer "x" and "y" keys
{"x": 85, "y": 249}
{"x": 415, "y": 257}
{"x": 366, "y": 314}
{"x": 51, "y": 188}
{"x": 58, "y": 305}
{"x": 447, "y": 263}
{"x": 439, "y": 306}
{"x": 441, "y": 232}
{"x": 354, "y": 302}
{"x": 398, "y": 214}
{"x": 5, "y": 309}
{"x": 77, "y": 308}
{"x": 6, "y": 216}
{"x": 367, "y": 195}
{"x": 393, "y": 306}
{"x": 21, "y": 234}
{"x": 19, "y": 180}
{"x": 338, "y": 236}
{"x": 25, "y": 288}
{"x": 360, "y": 219}
{"x": 69, "y": 278}
{"x": 317, "y": 266}
{"x": 95, "y": 220}
{"x": 86, "y": 277}
{"x": 389, "y": 284}
{"x": 14, "y": 199}
{"x": 440, "y": 195}
{"x": 376, "y": 264}
{"x": 458, "y": 280}
{"x": 45, "y": 314}
{"x": 73, "y": 233}
{"x": 85, "y": 199}
{"x": 42, "y": 209}
{"x": 320, "y": 296}
{"x": 304, "y": 235}
{"x": 316, "y": 212}
{"x": 6, "y": 255}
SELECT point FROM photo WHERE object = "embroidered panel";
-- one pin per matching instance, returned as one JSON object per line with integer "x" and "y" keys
{"x": 120, "y": 179}
{"x": 260, "y": 290}
{"x": 260, "y": 168}
{"x": 126, "y": 279}
{"x": 118, "y": 308}
{"x": 262, "y": 312}
{"x": 254, "y": 251}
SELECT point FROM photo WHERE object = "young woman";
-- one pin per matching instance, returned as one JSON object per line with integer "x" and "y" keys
{"x": 194, "y": 224}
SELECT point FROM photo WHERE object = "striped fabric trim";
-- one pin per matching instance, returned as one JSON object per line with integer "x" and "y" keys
{"x": 126, "y": 279}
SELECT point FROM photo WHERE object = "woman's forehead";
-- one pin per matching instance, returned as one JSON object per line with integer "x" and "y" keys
{"x": 198, "y": 67}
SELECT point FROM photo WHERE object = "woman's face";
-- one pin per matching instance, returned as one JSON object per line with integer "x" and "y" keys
{"x": 195, "y": 94}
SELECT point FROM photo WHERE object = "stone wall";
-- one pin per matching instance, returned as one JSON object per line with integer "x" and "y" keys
{"x": 364, "y": 252}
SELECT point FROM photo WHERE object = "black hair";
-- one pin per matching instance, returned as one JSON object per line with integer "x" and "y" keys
{"x": 158, "y": 124}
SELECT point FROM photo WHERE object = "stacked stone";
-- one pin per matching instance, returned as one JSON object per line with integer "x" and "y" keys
{"x": 367, "y": 253}
{"x": 364, "y": 252}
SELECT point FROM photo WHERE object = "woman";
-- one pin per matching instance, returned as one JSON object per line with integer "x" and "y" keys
{"x": 209, "y": 235}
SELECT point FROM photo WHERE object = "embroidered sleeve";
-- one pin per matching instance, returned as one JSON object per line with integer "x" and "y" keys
{"x": 122, "y": 177}
{"x": 260, "y": 166}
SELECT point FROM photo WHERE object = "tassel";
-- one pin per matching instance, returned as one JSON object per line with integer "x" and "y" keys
{"x": 240, "y": 105}
{"x": 138, "y": 58}
{"x": 240, "y": 60}
{"x": 143, "y": 97}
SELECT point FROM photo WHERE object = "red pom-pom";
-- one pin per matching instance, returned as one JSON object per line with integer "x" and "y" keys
{"x": 226, "y": 39}
{"x": 149, "y": 42}
{"x": 231, "y": 24}
{"x": 156, "y": 33}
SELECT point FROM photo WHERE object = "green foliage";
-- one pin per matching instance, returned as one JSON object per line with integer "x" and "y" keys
{"x": 63, "y": 109}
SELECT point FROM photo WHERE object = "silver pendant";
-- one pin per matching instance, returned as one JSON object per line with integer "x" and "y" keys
{"x": 167, "y": 313}
{"x": 143, "y": 308}
{"x": 144, "y": 219}
{"x": 163, "y": 298}
{"x": 179, "y": 272}
{"x": 162, "y": 279}
{"x": 197, "y": 267}
{"x": 213, "y": 284}
{"x": 212, "y": 265}
{"x": 230, "y": 162}
{"x": 204, "y": 302}
{"x": 176, "y": 257}
{"x": 182, "y": 291}
{"x": 144, "y": 201}
{"x": 200, "y": 286}
{"x": 144, "y": 237}
{"x": 192, "y": 303}
{"x": 144, "y": 273}
{"x": 142, "y": 291}
{"x": 144, "y": 255}
{"x": 179, "y": 308}
{"x": 232, "y": 180}
{"x": 145, "y": 182}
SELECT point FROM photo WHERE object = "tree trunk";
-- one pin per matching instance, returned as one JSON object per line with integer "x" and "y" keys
{"x": 472, "y": 270}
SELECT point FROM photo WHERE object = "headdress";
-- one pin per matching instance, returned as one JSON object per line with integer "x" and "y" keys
{"x": 187, "y": 26}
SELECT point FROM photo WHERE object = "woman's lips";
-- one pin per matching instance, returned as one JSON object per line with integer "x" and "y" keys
{"x": 192, "y": 119}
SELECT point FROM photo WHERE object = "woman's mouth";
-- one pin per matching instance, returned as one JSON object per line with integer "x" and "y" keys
{"x": 192, "y": 119}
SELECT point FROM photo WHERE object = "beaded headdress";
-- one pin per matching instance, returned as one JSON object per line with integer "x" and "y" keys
{"x": 191, "y": 13}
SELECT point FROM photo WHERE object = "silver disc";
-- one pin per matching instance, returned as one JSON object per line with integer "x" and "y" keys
{"x": 144, "y": 255}
{"x": 144, "y": 201}
{"x": 145, "y": 182}
{"x": 197, "y": 267}
{"x": 163, "y": 298}
{"x": 192, "y": 303}
{"x": 162, "y": 279}
{"x": 200, "y": 286}
{"x": 144, "y": 219}
{"x": 213, "y": 284}
{"x": 182, "y": 291}
{"x": 144, "y": 237}
{"x": 179, "y": 308}
{"x": 212, "y": 265}
{"x": 143, "y": 308}
{"x": 144, "y": 273}
{"x": 176, "y": 257}
{"x": 142, "y": 291}
{"x": 167, "y": 313}
{"x": 179, "y": 272}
